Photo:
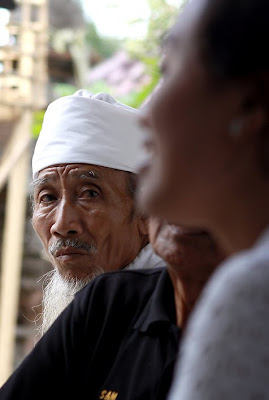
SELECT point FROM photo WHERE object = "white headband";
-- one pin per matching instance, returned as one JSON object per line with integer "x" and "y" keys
{"x": 89, "y": 129}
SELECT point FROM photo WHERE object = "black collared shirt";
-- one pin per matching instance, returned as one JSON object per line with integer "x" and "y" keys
{"x": 117, "y": 340}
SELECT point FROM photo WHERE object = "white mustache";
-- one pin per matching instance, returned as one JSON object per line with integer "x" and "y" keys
{"x": 75, "y": 243}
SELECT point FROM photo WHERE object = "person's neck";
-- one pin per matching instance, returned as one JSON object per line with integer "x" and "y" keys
{"x": 187, "y": 290}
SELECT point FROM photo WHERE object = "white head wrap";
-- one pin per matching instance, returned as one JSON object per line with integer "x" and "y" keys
{"x": 89, "y": 129}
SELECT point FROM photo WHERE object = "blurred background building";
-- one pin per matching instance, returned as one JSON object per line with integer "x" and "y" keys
{"x": 49, "y": 49}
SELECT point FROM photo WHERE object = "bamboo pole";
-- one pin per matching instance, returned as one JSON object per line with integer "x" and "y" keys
{"x": 12, "y": 252}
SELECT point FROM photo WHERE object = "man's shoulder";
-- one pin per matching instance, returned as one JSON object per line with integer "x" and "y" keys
{"x": 139, "y": 272}
{"x": 121, "y": 294}
{"x": 127, "y": 283}
{"x": 132, "y": 277}
{"x": 126, "y": 274}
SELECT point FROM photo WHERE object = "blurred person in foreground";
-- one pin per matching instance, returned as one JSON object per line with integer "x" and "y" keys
{"x": 84, "y": 180}
{"x": 119, "y": 337}
{"x": 208, "y": 139}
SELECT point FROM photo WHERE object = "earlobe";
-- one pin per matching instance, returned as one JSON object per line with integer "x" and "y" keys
{"x": 143, "y": 225}
{"x": 248, "y": 124}
{"x": 236, "y": 127}
{"x": 251, "y": 115}
{"x": 256, "y": 121}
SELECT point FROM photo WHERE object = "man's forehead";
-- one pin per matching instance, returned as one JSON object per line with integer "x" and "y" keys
{"x": 74, "y": 170}
{"x": 77, "y": 171}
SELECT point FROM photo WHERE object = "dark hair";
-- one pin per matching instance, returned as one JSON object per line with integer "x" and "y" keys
{"x": 131, "y": 183}
{"x": 235, "y": 36}
{"x": 131, "y": 187}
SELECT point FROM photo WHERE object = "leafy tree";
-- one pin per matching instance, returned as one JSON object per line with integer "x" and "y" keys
{"x": 162, "y": 17}
{"x": 37, "y": 122}
{"x": 103, "y": 47}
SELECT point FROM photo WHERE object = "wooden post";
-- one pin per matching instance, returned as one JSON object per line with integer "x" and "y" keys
{"x": 13, "y": 151}
{"x": 22, "y": 91}
{"x": 12, "y": 253}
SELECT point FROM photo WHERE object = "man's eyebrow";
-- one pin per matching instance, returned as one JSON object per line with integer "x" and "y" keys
{"x": 38, "y": 182}
{"x": 89, "y": 174}
{"x": 84, "y": 174}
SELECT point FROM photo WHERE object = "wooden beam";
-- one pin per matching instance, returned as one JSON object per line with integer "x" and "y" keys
{"x": 18, "y": 143}
{"x": 12, "y": 251}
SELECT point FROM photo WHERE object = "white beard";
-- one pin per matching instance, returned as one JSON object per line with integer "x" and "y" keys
{"x": 57, "y": 295}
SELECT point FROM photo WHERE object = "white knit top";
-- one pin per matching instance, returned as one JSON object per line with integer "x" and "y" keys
{"x": 225, "y": 353}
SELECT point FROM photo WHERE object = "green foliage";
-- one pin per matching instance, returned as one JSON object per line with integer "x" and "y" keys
{"x": 137, "y": 98}
{"x": 37, "y": 122}
{"x": 162, "y": 18}
{"x": 102, "y": 46}
{"x": 63, "y": 89}
{"x": 99, "y": 86}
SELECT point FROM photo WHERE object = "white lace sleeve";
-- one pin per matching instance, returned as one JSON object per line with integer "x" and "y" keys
{"x": 225, "y": 354}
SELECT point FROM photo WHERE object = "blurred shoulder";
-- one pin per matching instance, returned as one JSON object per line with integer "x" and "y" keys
{"x": 244, "y": 274}
{"x": 227, "y": 334}
{"x": 238, "y": 290}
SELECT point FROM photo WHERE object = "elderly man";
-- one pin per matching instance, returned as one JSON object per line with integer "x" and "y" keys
{"x": 83, "y": 205}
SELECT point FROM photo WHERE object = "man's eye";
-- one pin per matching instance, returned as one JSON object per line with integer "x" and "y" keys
{"x": 90, "y": 193}
{"x": 47, "y": 198}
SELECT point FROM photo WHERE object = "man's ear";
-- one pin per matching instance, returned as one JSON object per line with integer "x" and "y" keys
{"x": 143, "y": 225}
{"x": 252, "y": 116}
{"x": 255, "y": 121}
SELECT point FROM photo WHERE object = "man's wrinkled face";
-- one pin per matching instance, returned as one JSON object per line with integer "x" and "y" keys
{"x": 84, "y": 216}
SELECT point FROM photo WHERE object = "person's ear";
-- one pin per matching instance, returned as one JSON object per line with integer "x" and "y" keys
{"x": 143, "y": 225}
{"x": 250, "y": 119}
{"x": 247, "y": 124}
{"x": 235, "y": 128}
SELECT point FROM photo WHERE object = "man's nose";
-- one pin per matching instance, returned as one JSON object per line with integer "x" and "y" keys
{"x": 67, "y": 220}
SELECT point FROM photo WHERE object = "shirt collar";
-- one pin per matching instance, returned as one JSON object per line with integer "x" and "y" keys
{"x": 145, "y": 259}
